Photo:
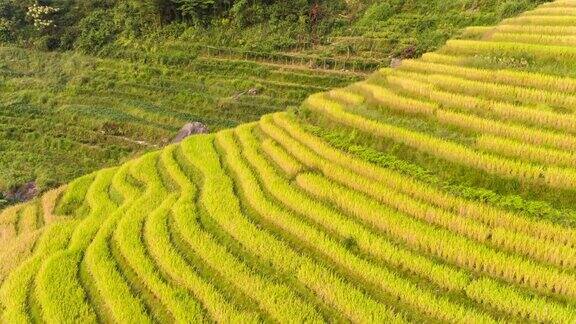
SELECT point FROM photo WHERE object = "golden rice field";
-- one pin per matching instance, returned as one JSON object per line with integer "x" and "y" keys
{"x": 300, "y": 218}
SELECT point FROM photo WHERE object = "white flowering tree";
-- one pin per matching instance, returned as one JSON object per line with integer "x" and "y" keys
{"x": 41, "y": 16}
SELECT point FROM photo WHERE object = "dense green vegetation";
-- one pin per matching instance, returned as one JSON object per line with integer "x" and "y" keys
{"x": 124, "y": 76}
{"x": 66, "y": 114}
{"x": 440, "y": 190}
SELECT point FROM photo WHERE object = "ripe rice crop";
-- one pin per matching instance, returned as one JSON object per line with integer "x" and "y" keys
{"x": 482, "y": 212}
{"x": 543, "y": 30}
{"x": 456, "y": 153}
{"x": 438, "y": 190}
{"x": 534, "y": 39}
{"x": 500, "y": 110}
{"x": 543, "y": 20}
{"x": 526, "y": 151}
{"x": 564, "y": 54}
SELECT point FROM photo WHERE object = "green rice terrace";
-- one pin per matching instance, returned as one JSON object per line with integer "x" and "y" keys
{"x": 80, "y": 112}
{"x": 441, "y": 190}
{"x": 67, "y": 113}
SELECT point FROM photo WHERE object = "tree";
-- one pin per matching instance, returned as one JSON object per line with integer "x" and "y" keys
{"x": 195, "y": 9}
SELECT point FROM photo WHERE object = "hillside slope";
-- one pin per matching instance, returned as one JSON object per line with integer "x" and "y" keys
{"x": 440, "y": 191}
{"x": 141, "y": 78}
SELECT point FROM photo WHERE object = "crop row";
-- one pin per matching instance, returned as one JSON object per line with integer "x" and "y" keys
{"x": 441, "y": 243}
{"x": 380, "y": 277}
{"x": 504, "y": 111}
{"x": 466, "y": 121}
{"x": 285, "y": 302}
{"x": 532, "y": 29}
{"x": 511, "y": 77}
{"x": 551, "y": 11}
{"x": 334, "y": 222}
{"x": 16, "y": 290}
{"x": 114, "y": 293}
{"x": 162, "y": 249}
{"x": 290, "y": 166}
{"x": 29, "y": 218}
{"x": 9, "y": 223}
{"x": 14, "y": 252}
{"x": 75, "y": 195}
{"x": 48, "y": 203}
{"x": 476, "y": 257}
{"x": 564, "y": 54}
{"x": 484, "y": 213}
{"x": 524, "y": 151}
{"x": 218, "y": 200}
{"x": 517, "y": 303}
{"x": 174, "y": 300}
{"x": 59, "y": 289}
{"x": 541, "y": 20}
{"x": 534, "y": 39}
{"x": 341, "y": 295}
{"x": 493, "y": 91}
{"x": 447, "y": 59}
{"x": 502, "y": 239}
{"x": 330, "y": 191}
{"x": 559, "y": 4}
{"x": 450, "y": 151}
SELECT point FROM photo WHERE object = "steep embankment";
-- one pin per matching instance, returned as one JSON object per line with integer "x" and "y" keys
{"x": 384, "y": 201}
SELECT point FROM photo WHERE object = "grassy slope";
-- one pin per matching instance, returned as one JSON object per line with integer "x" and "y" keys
{"x": 368, "y": 203}
{"x": 64, "y": 115}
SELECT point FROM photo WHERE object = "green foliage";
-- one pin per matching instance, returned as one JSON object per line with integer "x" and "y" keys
{"x": 413, "y": 27}
{"x": 194, "y": 8}
{"x": 95, "y": 31}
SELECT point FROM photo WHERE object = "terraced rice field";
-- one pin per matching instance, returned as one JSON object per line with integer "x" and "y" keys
{"x": 58, "y": 109}
{"x": 440, "y": 191}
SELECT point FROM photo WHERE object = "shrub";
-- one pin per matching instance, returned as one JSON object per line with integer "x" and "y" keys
{"x": 96, "y": 31}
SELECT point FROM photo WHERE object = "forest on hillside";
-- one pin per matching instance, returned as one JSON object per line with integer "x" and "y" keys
{"x": 91, "y": 25}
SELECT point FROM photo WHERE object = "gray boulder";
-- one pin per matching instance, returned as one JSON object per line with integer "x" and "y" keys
{"x": 189, "y": 130}
{"x": 22, "y": 193}
{"x": 395, "y": 63}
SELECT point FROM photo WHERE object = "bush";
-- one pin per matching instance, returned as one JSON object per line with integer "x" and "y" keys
{"x": 376, "y": 12}
{"x": 95, "y": 31}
